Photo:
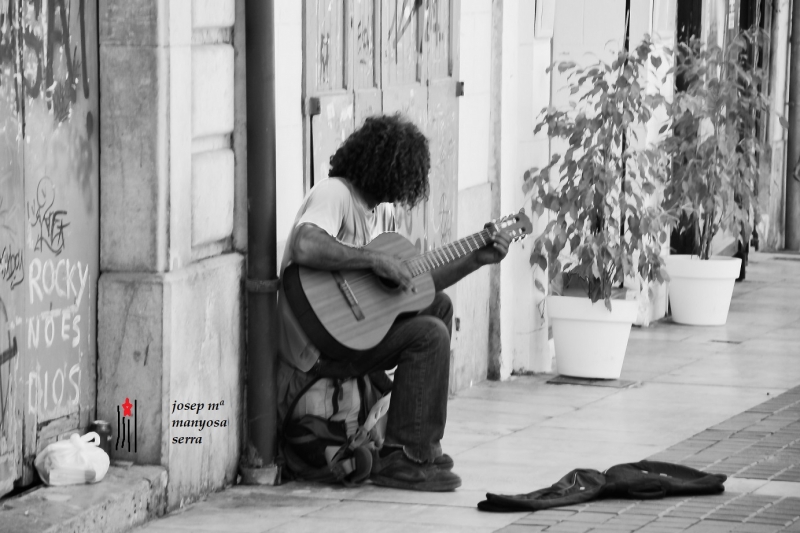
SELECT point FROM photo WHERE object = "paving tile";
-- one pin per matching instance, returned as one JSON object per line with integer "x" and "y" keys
{"x": 635, "y": 520}
{"x": 336, "y": 525}
{"x": 778, "y": 522}
{"x": 780, "y": 488}
{"x": 692, "y": 514}
{"x": 533, "y": 520}
{"x": 554, "y": 514}
{"x": 576, "y": 507}
{"x": 460, "y": 498}
{"x": 790, "y": 475}
{"x": 710, "y": 526}
{"x": 589, "y": 517}
{"x": 414, "y": 514}
{"x": 743, "y": 485}
{"x": 615, "y": 528}
{"x": 655, "y": 528}
{"x": 793, "y": 528}
{"x": 756, "y": 528}
{"x": 679, "y": 522}
{"x": 613, "y": 507}
{"x": 514, "y": 528}
{"x": 202, "y": 518}
{"x": 729, "y": 517}
{"x": 569, "y": 527}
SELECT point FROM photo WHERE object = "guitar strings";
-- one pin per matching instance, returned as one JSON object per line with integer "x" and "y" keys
{"x": 483, "y": 234}
{"x": 450, "y": 247}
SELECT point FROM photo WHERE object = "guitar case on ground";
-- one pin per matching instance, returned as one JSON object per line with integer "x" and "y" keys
{"x": 645, "y": 480}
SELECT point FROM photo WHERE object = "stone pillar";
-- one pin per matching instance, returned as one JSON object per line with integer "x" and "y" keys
{"x": 771, "y": 228}
{"x": 170, "y": 318}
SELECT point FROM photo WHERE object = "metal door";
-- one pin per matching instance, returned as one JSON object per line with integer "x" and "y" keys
{"x": 441, "y": 46}
{"x": 49, "y": 225}
{"x": 365, "y": 57}
{"x": 329, "y": 77}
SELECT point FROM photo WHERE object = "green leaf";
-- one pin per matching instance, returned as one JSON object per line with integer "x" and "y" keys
{"x": 537, "y": 259}
{"x": 565, "y": 65}
{"x": 539, "y": 285}
{"x": 655, "y": 61}
{"x": 783, "y": 121}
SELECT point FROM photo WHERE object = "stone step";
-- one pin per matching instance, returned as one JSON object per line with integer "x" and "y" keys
{"x": 126, "y": 497}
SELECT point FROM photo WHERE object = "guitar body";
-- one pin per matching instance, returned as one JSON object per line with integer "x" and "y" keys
{"x": 348, "y": 311}
{"x": 321, "y": 306}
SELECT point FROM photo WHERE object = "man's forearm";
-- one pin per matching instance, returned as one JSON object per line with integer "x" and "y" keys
{"x": 316, "y": 249}
{"x": 452, "y": 273}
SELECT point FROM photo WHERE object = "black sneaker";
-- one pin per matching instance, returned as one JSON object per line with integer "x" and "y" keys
{"x": 399, "y": 472}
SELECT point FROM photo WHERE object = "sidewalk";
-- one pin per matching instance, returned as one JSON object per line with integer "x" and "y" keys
{"x": 721, "y": 399}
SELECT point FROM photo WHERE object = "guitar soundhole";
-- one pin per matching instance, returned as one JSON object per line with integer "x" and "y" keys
{"x": 388, "y": 284}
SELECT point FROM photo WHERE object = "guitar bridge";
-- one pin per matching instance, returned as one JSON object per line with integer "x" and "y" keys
{"x": 348, "y": 295}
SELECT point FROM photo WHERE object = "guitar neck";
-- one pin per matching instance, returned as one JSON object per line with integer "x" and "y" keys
{"x": 448, "y": 253}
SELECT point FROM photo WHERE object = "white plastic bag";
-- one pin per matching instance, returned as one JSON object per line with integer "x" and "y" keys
{"x": 74, "y": 461}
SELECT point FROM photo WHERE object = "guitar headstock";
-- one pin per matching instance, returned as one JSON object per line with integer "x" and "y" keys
{"x": 517, "y": 225}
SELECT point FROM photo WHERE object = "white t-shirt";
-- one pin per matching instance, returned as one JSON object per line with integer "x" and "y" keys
{"x": 337, "y": 208}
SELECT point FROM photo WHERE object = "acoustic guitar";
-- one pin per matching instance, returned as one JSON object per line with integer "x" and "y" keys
{"x": 343, "y": 311}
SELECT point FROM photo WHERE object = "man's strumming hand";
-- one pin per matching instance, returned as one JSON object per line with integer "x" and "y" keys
{"x": 393, "y": 269}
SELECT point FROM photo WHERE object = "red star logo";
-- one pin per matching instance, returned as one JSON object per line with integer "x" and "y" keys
{"x": 126, "y": 408}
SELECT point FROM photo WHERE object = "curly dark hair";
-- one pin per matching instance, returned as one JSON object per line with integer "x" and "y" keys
{"x": 388, "y": 158}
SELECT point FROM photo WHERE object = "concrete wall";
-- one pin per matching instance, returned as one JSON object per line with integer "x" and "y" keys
{"x": 172, "y": 215}
{"x": 290, "y": 187}
{"x": 473, "y": 107}
{"x": 526, "y": 37}
{"x": 470, "y": 346}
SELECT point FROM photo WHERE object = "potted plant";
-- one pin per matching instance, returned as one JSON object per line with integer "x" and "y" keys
{"x": 718, "y": 157}
{"x": 602, "y": 228}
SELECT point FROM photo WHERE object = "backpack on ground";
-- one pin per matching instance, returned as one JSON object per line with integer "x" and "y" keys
{"x": 332, "y": 428}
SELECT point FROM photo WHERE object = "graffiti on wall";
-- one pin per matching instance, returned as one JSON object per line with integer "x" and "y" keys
{"x": 49, "y": 180}
{"x": 54, "y": 62}
{"x": 12, "y": 268}
{"x": 60, "y": 206}
{"x": 364, "y": 22}
{"x": 46, "y": 221}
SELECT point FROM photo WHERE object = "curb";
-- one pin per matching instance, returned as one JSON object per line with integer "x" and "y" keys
{"x": 125, "y": 498}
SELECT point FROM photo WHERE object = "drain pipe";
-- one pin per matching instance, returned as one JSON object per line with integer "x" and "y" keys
{"x": 793, "y": 142}
{"x": 262, "y": 283}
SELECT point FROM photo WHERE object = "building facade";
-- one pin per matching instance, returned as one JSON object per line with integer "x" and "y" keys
{"x": 123, "y": 192}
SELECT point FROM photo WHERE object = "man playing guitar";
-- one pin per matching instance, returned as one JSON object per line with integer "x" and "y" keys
{"x": 384, "y": 162}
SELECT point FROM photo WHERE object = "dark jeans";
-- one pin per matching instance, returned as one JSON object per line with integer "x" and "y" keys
{"x": 419, "y": 347}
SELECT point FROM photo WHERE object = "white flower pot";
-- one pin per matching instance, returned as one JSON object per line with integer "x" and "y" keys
{"x": 590, "y": 340}
{"x": 700, "y": 291}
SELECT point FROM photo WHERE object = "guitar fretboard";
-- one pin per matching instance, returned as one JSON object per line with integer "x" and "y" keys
{"x": 450, "y": 252}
